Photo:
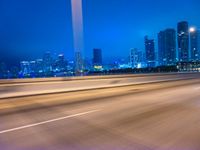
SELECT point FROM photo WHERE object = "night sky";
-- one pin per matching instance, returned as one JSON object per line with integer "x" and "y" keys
{"x": 28, "y": 28}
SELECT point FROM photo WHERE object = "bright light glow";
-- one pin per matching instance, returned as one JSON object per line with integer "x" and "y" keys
{"x": 139, "y": 65}
{"x": 192, "y": 29}
{"x": 77, "y": 23}
{"x": 98, "y": 67}
{"x": 77, "y": 20}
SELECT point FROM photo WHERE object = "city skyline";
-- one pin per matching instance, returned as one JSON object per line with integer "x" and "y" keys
{"x": 170, "y": 46}
{"x": 102, "y": 29}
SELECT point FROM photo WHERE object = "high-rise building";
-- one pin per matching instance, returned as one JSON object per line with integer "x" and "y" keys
{"x": 167, "y": 47}
{"x": 135, "y": 58}
{"x": 183, "y": 41}
{"x": 161, "y": 48}
{"x": 194, "y": 42}
{"x": 150, "y": 51}
{"x": 14, "y": 72}
{"x": 97, "y": 56}
{"x": 39, "y": 66}
{"x": 170, "y": 46}
{"x": 3, "y": 71}
{"x": 48, "y": 62}
{"x": 32, "y": 66}
{"x": 198, "y": 45}
{"x": 25, "y": 68}
{"x": 61, "y": 63}
{"x": 79, "y": 66}
{"x": 97, "y": 59}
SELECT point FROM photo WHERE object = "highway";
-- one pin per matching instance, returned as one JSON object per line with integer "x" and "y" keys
{"x": 151, "y": 113}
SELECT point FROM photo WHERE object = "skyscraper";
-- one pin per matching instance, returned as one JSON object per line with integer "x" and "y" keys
{"x": 25, "y": 68}
{"x": 194, "y": 42}
{"x": 3, "y": 70}
{"x": 198, "y": 45}
{"x": 97, "y": 58}
{"x": 47, "y": 60}
{"x": 183, "y": 41}
{"x": 39, "y": 66}
{"x": 161, "y": 48}
{"x": 167, "y": 47}
{"x": 61, "y": 63}
{"x": 150, "y": 51}
{"x": 135, "y": 57}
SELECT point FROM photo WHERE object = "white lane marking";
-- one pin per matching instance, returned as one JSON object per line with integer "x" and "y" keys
{"x": 48, "y": 121}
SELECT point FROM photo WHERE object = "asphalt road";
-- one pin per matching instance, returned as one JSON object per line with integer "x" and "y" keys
{"x": 157, "y": 116}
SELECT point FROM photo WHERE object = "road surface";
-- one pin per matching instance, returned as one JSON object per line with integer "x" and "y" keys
{"x": 154, "y": 116}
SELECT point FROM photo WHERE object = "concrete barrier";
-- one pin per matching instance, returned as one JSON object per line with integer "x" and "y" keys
{"x": 86, "y": 83}
{"x": 33, "y": 80}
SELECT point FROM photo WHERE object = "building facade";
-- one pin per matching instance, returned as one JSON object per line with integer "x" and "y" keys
{"x": 194, "y": 44}
{"x": 167, "y": 47}
{"x": 97, "y": 59}
{"x": 183, "y": 41}
{"x": 150, "y": 51}
{"x": 135, "y": 58}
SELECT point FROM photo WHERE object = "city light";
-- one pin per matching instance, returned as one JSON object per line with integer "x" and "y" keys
{"x": 192, "y": 29}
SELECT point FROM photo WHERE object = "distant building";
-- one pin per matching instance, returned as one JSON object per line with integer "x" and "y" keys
{"x": 135, "y": 58}
{"x": 150, "y": 51}
{"x": 97, "y": 59}
{"x": 189, "y": 66}
{"x": 198, "y": 42}
{"x": 14, "y": 72}
{"x": 61, "y": 63}
{"x": 70, "y": 66}
{"x": 25, "y": 68}
{"x": 194, "y": 44}
{"x": 183, "y": 41}
{"x": 48, "y": 61}
{"x": 3, "y": 71}
{"x": 79, "y": 65}
{"x": 167, "y": 47}
{"x": 32, "y": 66}
{"x": 161, "y": 48}
{"x": 39, "y": 66}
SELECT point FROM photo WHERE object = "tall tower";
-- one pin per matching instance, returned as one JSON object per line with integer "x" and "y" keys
{"x": 194, "y": 42}
{"x": 150, "y": 51}
{"x": 161, "y": 48}
{"x": 135, "y": 57}
{"x": 167, "y": 47}
{"x": 77, "y": 21}
{"x": 97, "y": 57}
{"x": 183, "y": 41}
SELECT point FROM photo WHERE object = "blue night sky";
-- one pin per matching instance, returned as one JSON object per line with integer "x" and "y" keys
{"x": 29, "y": 28}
